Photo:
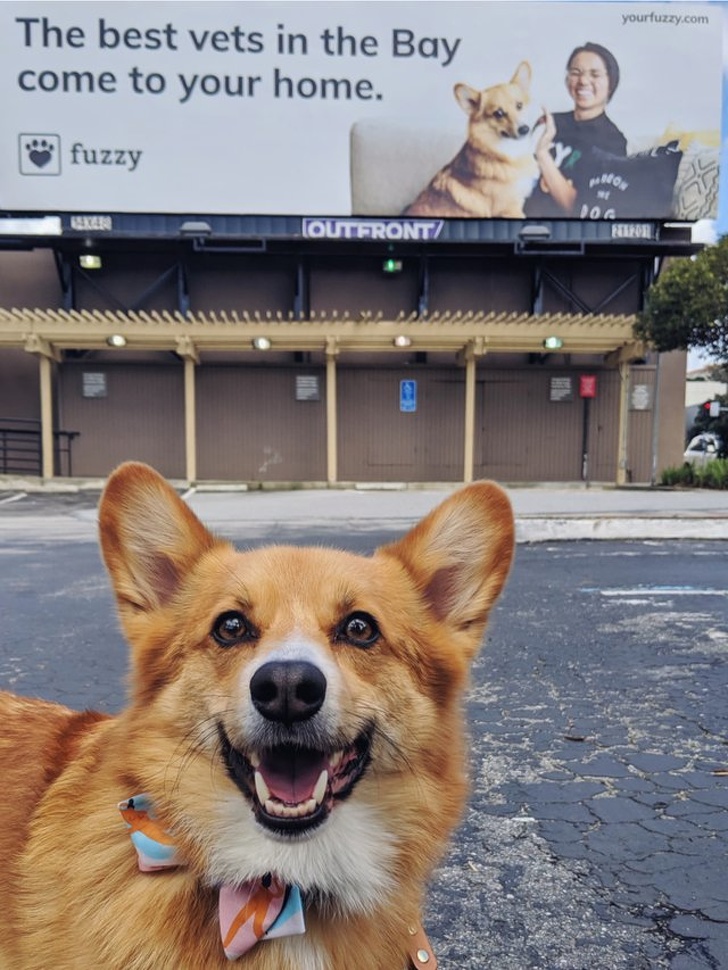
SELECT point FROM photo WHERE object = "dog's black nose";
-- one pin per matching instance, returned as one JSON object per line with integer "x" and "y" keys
{"x": 288, "y": 691}
{"x": 523, "y": 130}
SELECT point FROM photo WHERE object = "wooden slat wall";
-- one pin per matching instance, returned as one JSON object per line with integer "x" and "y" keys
{"x": 378, "y": 442}
{"x": 141, "y": 418}
{"x": 250, "y": 427}
{"x": 524, "y": 436}
{"x": 19, "y": 385}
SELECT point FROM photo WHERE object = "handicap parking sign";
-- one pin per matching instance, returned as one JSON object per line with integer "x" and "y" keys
{"x": 408, "y": 396}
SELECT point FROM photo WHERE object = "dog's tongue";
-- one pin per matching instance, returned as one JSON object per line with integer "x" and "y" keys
{"x": 291, "y": 773}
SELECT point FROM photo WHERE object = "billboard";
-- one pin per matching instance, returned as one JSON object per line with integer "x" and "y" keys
{"x": 431, "y": 110}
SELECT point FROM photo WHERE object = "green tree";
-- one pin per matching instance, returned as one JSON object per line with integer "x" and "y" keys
{"x": 687, "y": 308}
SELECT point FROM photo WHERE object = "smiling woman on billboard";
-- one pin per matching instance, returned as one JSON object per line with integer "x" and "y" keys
{"x": 592, "y": 76}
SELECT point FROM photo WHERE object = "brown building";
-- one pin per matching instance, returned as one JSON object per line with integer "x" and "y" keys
{"x": 263, "y": 350}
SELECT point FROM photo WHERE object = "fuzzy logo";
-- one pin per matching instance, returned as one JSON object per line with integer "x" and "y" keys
{"x": 39, "y": 154}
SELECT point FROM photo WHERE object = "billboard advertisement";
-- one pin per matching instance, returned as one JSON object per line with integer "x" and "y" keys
{"x": 437, "y": 110}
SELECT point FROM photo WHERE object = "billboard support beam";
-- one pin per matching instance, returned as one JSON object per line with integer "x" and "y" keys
{"x": 183, "y": 290}
{"x": 423, "y": 300}
{"x": 537, "y": 289}
{"x": 301, "y": 296}
{"x": 65, "y": 277}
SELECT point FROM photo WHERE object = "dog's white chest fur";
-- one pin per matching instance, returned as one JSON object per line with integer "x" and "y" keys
{"x": 349, "y": 860}
{"x": 303, "y": 955}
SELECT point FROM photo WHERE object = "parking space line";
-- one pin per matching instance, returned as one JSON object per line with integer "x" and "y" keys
{"x": 13, "y": 498}
{"x": 656, "y": 591}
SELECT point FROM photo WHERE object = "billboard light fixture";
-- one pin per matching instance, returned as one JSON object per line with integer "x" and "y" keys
{"x": 553, "y": 343}
{"x": 116, "y": 340}
{"x": 195, "y": 228}
{"x": 402, "y": 340}
{"x": 534, "y": 232}
{"x": 90, "y": 261}
{"x": 391, "y": 265}
{"x": 261, "y": 343}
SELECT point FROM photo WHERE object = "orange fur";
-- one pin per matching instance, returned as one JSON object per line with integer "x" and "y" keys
{"x": 71, "y": 895}
{"x": 494, "y": 171}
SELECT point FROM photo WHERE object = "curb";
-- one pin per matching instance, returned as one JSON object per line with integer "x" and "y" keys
{"x": 529, "y": 529}
{"x": 555, "y": 529}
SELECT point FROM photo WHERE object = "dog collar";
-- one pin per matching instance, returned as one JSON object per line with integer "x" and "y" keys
{"x": 261, "y": 909}
{"x": 419, "y": 949}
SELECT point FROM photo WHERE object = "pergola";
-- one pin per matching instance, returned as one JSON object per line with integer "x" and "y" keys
{"x": 469, "y": 335}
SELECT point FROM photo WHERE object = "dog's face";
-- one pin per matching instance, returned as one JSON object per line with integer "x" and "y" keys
{"x": 499, "y": 116}
{"x": 297, "y": 711}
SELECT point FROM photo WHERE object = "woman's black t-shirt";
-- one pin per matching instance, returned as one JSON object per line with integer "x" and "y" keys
{"x": 573, "y": 143}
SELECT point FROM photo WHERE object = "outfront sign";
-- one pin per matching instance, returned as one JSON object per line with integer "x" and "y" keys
{"x": 424, "y": 111}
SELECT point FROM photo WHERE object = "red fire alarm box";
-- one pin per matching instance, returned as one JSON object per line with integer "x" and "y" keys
{"x": 588, "y": 385}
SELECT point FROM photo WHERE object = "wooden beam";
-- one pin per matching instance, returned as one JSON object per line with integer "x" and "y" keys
{"x": 623, "y": 424}
{"x": 45, "y": 365}
{"x": 47, "y": 331}
{"x": 332, "y": 459}
{"x": 472, "y": 352}
{"x": 38, "y": 345}
{"x": 190, "y": 421}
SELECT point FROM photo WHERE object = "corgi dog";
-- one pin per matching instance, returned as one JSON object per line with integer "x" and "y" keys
{"x": 290, "y": 764}
{"x": 495, "y": 170}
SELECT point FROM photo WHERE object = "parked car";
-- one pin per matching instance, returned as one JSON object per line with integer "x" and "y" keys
{"x": 703, "y": 448}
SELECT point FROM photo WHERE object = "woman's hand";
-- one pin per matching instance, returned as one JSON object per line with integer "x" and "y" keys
{"x": 546, "y": 139}
{"x": 552, "y": 181}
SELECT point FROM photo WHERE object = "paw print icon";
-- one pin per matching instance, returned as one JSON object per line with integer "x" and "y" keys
{"x": 39, "y": 154}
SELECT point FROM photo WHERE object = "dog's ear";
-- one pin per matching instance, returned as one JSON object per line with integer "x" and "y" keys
{"x": 468, "y": 98}
{"x": 522, "y": 77}
{"x": 460, "y": 554}
{"x": 149, "y": 537}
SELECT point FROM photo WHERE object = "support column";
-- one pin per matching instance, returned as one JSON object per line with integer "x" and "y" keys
{"x": 473, "y": 350}
{"x": 332, "y": 351}
{"x": 187, "y": 350}
{"x": 622, "y": 358}
{"x": 46, "y": 416}
{"x": 47, "y": 354}
{"x": 623, "y": 424}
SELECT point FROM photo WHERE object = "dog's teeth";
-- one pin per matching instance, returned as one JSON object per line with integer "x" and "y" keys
{"x": 261, "y": 789}
{"x": 255, "y": 760}
{"x": 320, "y": 789}
{"x": 291, "y": 811}
{"x": 335, "y": 760}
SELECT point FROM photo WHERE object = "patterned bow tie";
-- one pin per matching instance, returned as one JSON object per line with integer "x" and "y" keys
{"x": 261, "y": 909}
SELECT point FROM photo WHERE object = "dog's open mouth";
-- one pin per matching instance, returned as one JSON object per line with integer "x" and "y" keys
{"x": 293, "y": 789}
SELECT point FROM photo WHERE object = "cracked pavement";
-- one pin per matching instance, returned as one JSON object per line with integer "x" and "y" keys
{"x": 597, "y": 835}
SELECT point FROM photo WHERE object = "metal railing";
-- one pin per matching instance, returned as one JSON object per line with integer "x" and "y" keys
{"x": 21, "y": 448}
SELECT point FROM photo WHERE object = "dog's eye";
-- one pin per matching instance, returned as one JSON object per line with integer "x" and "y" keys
{"x": 519, "y": 105}
{"x": 359, "y": 629}
{"x": 232, "y": 628}
{"x": 499, "y": 114}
